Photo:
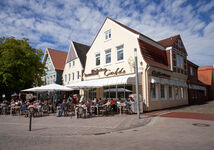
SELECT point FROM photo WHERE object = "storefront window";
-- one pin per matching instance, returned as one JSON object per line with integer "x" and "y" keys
{"x": 182, "y": 92}
{"x": 153, "y": 91}
{"x": 120, "y": 53}
{"x": 162, "y": 88}
{"x": 176, "y": 93}
{"x": 170, "y": 92}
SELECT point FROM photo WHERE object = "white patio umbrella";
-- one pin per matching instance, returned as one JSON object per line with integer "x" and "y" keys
{"x": 49, "y": 88}
{"x": 34, "y": 89}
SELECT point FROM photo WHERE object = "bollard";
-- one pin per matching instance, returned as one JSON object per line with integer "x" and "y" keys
{"x": 31, "y": 110}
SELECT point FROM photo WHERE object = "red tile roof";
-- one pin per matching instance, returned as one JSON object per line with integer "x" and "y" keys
{"x": 169, "y": 41}
{"x": 154, "y": 56}
{"x": 58, "y": 58}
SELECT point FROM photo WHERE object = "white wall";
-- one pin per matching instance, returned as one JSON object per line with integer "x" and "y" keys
{"x": 72, "y": 69}
{"x": 119, "y": 36}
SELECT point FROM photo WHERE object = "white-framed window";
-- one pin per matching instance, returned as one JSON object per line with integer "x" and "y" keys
{"x": 153, "y": 91}
{"x": 73, "y": 76}
{"x": 108, "y": 34}
{"x": 66, "y": 78}
{"x": 120, "y": 54}
{"x": 97, "y": 59}
{"x": 69, "y": 65}
{"x": 162, "y": 91}
{"x": 108, "y": 56}
{"x": 78, "y": 74}
{"x": 182, "y": 93}
{"x": 73, "y": 63}
{"x": 69, "y": 77}
{"x": 170, "y": 92}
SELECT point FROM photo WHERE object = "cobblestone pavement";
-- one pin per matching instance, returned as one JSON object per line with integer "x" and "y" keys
{"x": 160, "y": 133}
{"x": 118, "y": 132}
{"x": 207, "y": 108}
{"x": 66, "y": 126}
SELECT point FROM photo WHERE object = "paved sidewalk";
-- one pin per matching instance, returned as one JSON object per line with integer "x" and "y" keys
{"x": 188, "y": 115}
{"x": 66, "y": 126}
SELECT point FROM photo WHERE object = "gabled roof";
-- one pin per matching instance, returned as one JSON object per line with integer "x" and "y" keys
{"x": 81, "y": 51}
{"x": 154, "y": 56}
{"x": 132, "y": 30}
{"x": 77, "y": 50}
{"x": 192, "y": 64}
{"x": 151, "y": 54}
{"x": 169, "y": 41}
{"x": 58, "y": 58}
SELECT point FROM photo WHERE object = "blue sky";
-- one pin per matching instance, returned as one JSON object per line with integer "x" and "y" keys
{"x": 54, "y": 23}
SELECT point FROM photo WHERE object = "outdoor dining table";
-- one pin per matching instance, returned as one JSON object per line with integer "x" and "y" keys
{"x": 121, "y": 106}
{"x": 96, "y": 106}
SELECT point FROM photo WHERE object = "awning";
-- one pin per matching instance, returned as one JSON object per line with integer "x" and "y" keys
{"x": 118, "y": 90}
{"x": 168, "y": 81}
{"x": 119, "y": 80}
{"x": 197, "y": 87}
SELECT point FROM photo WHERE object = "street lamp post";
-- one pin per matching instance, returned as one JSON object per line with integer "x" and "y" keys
{"x": 137, "y": 83}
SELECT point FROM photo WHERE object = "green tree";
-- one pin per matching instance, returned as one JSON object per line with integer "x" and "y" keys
{"x": 20, "y": 65}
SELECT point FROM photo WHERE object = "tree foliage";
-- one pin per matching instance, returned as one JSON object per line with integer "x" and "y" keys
{"x": 20, "y": 65}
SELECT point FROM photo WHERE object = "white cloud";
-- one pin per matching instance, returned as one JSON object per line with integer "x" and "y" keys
{"x": 54, "y": 23}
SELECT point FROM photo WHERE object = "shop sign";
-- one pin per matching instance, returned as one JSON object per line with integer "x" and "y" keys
{"x": 160, "y": 74}
{"x": 107, "y": 72}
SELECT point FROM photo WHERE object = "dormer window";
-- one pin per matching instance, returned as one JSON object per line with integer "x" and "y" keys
{"x": 108, "y": 34}
{"x": 179, "y": 43}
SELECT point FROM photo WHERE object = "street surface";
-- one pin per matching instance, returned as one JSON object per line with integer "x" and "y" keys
{"x": 154, "y": 131}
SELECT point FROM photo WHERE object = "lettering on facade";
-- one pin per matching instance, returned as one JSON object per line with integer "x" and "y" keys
{"x": 107, "y": 72}
{"x": 160, "y": 74}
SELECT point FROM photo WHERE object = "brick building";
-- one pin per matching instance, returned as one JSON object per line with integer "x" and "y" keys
{"x": 197, "y": 91}
{"x": 206, "y": 76}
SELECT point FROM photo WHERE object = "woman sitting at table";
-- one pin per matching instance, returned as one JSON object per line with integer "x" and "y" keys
{"x": 113, "y": 105}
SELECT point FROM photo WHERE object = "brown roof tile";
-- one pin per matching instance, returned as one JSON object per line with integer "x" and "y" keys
{"x": 169, "y": 41}
{"x": 154, "y": 56}
{"x": 58, "y": 58}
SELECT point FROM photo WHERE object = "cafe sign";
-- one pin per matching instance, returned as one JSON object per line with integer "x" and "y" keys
{"x": 107, "y": 72}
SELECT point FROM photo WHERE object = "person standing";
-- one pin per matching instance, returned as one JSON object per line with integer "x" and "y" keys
{"x": 55, "y": 101}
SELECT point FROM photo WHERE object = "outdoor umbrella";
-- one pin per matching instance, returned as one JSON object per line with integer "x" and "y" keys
{"x": 49, "y": 88}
